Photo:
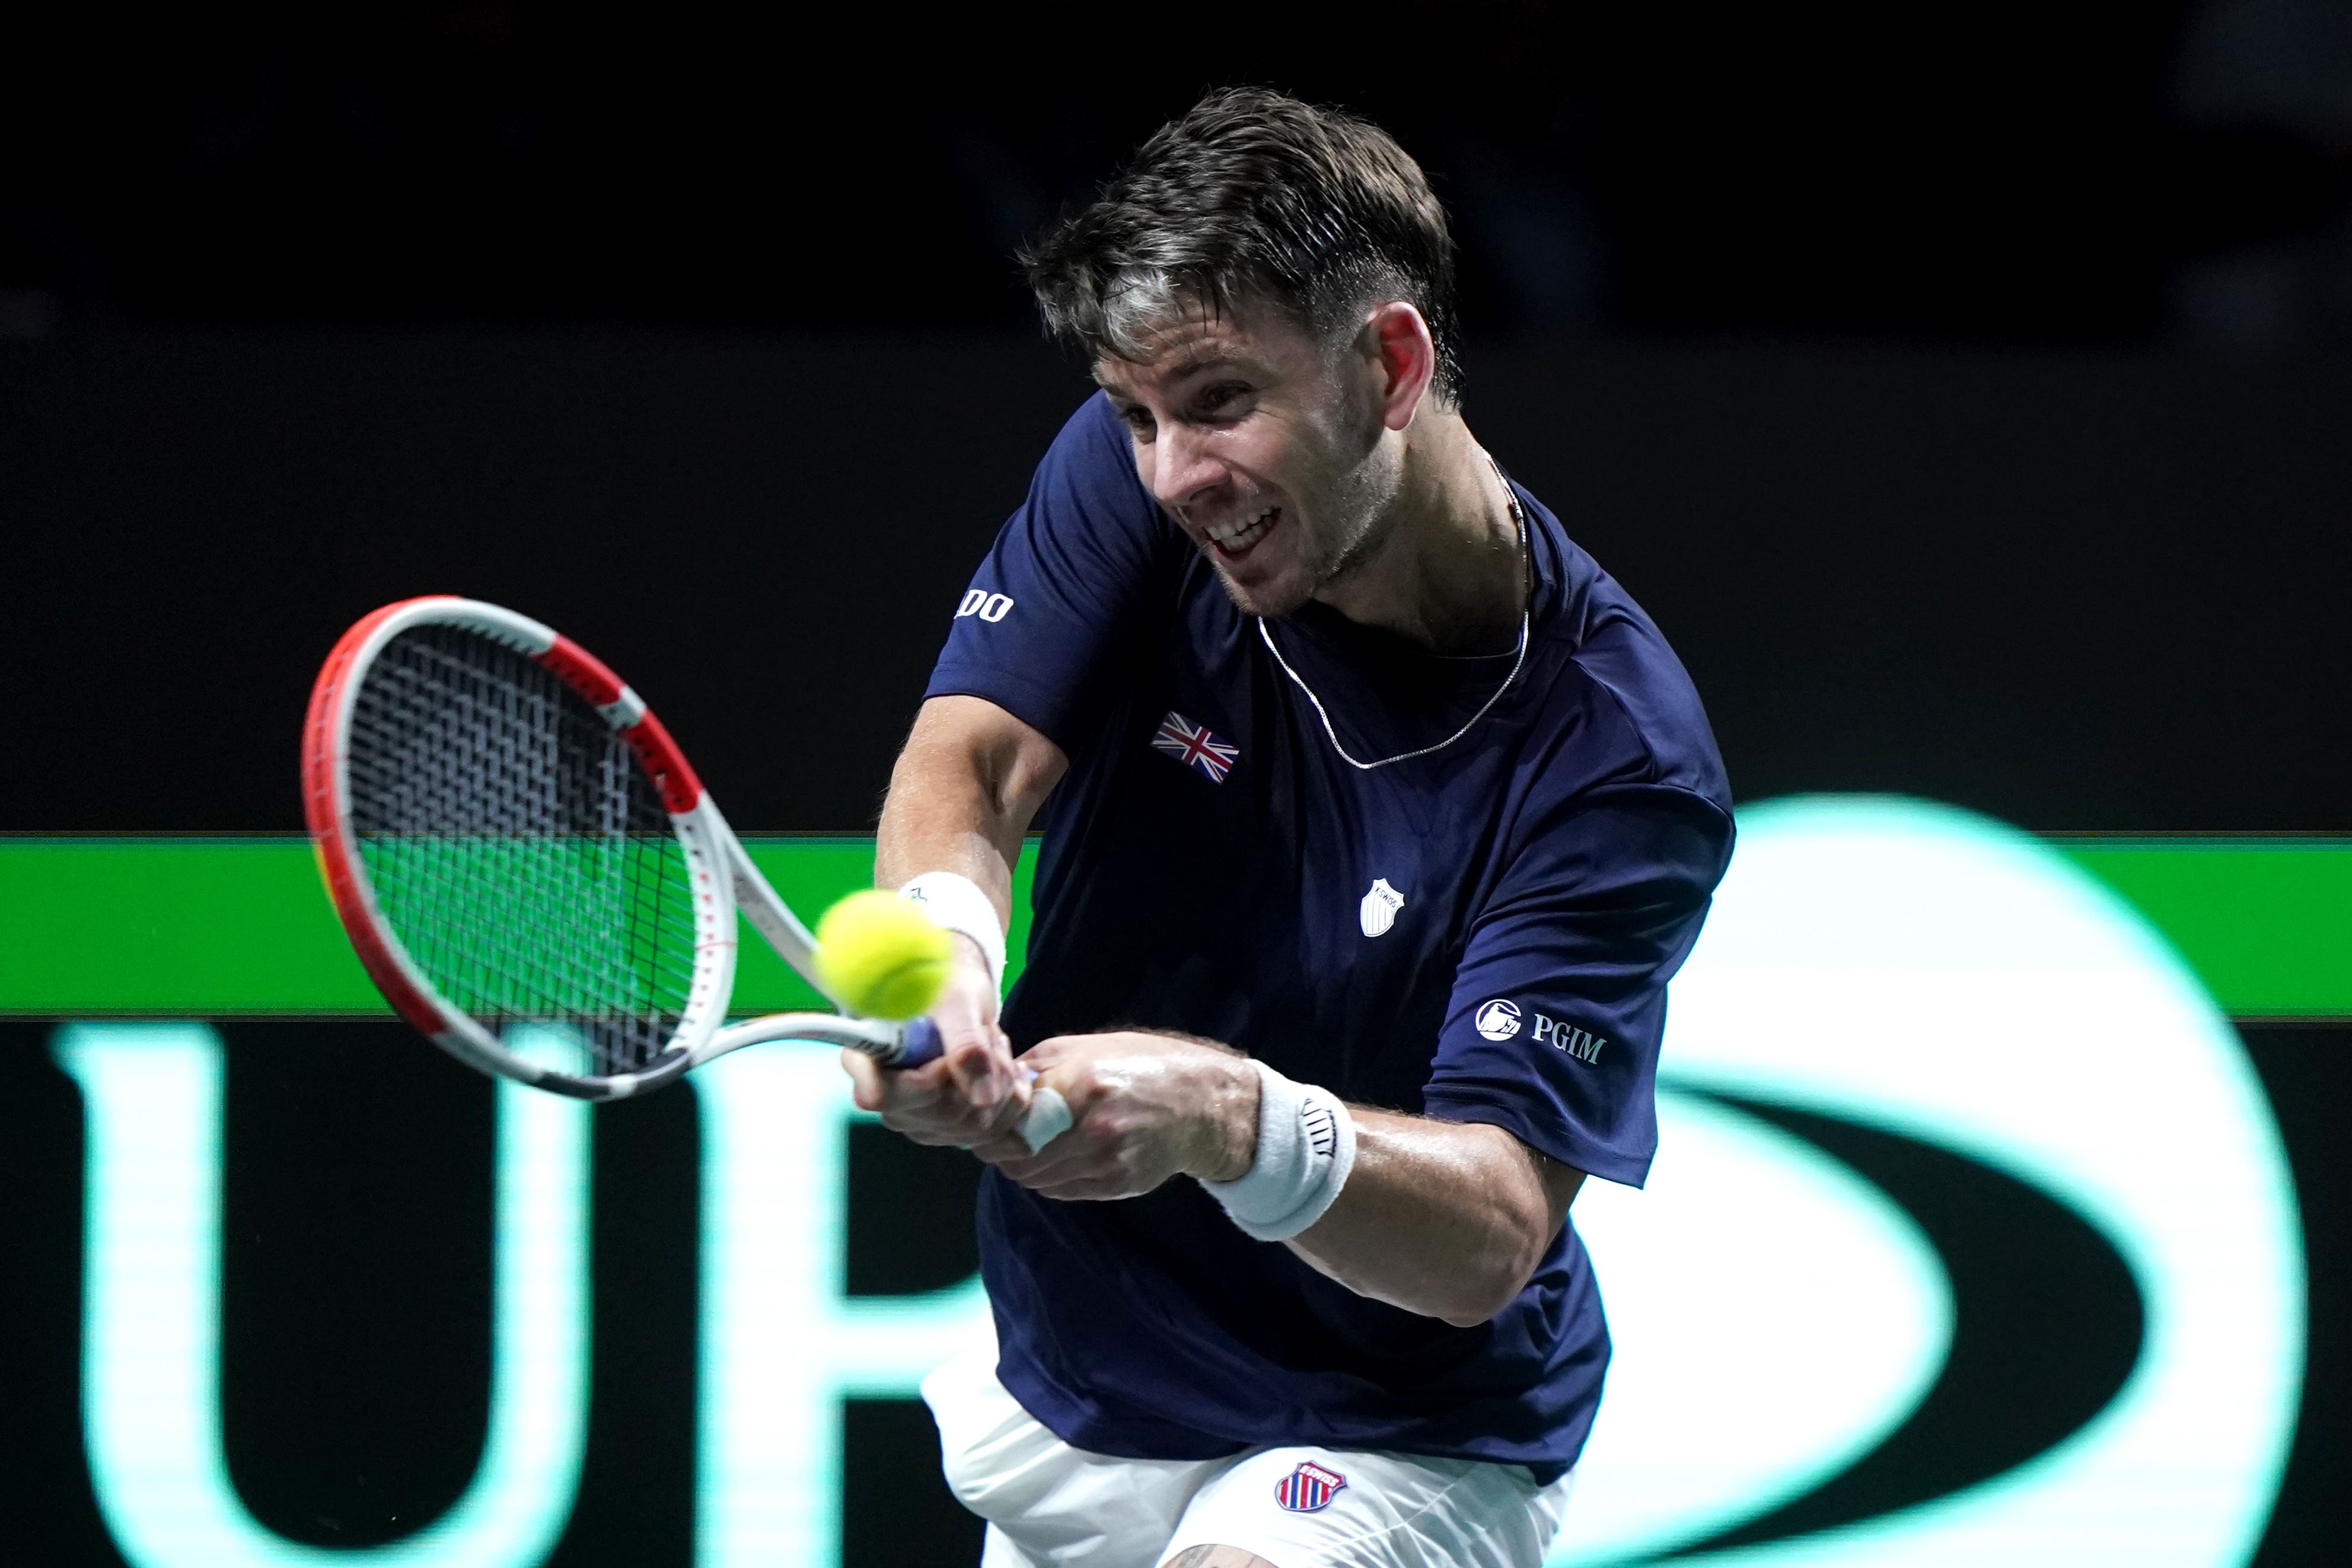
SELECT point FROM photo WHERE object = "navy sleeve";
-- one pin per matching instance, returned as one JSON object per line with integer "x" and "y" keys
{"x": 1552, "y": 1029}
{"x": 1054, "y": 616}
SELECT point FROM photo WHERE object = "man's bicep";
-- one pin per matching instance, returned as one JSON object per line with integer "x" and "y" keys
{"x": 962, "y": 793}
{"x": 1011, "y": 763}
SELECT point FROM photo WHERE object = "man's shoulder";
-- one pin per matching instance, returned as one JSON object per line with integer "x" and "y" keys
{"x": 1093, "y": 440}
{"x": 1085, "y": 487}
{"x": 1633, "y": 691}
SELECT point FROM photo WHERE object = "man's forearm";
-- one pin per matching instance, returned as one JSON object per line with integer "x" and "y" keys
{"x": 1447, "y": 1219}
{"x": 961, "y": 796}
{"x": 935, "y": 821}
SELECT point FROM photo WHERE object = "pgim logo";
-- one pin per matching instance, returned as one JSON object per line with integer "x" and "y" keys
{"x": 1582, "y": 1044}
{"x": 1497, "y": 1019}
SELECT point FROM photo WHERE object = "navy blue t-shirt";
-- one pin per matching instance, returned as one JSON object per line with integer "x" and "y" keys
{"x": 1484, "y": 934}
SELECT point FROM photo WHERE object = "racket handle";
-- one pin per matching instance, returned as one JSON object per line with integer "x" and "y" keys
{"x": 1049, "y": 1113}
{"x": 918, "y": 1043}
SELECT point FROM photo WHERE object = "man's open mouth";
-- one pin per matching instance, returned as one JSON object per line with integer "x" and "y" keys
{"x": 1237, "y": 538}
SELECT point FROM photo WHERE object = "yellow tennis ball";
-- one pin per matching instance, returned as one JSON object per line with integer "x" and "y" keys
{"x": 881, "y": 956}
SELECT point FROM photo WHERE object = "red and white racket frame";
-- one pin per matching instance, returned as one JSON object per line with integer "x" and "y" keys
{"x": 720, "y": 873}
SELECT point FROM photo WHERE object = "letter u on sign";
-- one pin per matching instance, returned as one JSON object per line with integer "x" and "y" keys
{"x": 151, "y": 1327}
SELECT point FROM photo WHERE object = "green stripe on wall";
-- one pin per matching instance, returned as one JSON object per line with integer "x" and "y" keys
{"x": 222, "y": 927}
{"x": 2265, "y": 922}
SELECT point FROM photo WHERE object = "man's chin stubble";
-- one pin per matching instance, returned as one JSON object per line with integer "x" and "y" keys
{"x": 1271, "y": 610}
{"x": 1325, "y": 573}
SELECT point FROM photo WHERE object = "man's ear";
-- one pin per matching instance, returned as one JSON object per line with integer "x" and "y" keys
{"x": 1404, "y": 358}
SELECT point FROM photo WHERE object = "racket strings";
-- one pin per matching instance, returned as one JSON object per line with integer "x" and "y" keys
{"x": 520, "y": 853}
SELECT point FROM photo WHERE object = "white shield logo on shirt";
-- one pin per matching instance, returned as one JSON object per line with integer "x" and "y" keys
{"x": 1379, "y": 910}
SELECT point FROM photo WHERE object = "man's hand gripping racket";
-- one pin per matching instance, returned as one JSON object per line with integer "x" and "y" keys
{"x": 531, "y": 871}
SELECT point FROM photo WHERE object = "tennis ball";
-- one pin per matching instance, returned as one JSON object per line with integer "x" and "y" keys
{"x": 881, "y": 956}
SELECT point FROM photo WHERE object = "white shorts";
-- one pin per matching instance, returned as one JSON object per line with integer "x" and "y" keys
{"x": 1048, "y": 1503}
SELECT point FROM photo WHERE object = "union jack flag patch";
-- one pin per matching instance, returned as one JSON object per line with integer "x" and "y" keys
{"x": 1308, "y": 1487}
{"x": 1192, "y": 745}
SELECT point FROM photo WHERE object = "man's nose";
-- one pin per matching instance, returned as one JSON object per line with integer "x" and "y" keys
{"x": 1185, "y": 467}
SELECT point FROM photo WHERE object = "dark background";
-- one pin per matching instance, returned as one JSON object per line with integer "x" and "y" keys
{"x": 1966, "y": 391}
{"x": 2012, "y": 171}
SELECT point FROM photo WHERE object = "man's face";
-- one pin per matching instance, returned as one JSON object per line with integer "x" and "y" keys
{"x": 1266, "y": 451}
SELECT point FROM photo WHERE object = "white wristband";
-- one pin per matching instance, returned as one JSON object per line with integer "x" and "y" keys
{"x": 958, "y": 904}
{"x": 1305, "y": 1147}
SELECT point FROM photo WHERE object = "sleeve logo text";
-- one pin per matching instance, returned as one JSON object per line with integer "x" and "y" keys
{"x": 1499, "y": 1020}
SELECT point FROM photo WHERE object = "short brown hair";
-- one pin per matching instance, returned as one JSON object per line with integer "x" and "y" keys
{"x": 1251, "y": 196}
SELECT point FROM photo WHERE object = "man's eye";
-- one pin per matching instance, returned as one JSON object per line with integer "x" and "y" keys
{"x": 1138, "y": 420}
{"x": 1220, "y": 399}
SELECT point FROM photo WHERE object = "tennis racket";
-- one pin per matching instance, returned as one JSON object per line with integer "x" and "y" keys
{"x": 531, "y": 871}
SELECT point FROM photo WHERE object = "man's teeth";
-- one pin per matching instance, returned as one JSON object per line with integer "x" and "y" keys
{"x": 1240, "y": 535}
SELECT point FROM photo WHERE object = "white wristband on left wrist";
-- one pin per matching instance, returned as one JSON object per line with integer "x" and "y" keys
{"x": 957, "y": 903}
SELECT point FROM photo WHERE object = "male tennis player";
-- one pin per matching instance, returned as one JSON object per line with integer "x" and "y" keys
{"x": 1376, "y": 817}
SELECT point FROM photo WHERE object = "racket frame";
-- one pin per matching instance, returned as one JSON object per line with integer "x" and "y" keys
{"x": 720, "y": 871}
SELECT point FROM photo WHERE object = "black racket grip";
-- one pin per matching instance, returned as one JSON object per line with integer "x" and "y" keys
{"x": 918, "y": 1043}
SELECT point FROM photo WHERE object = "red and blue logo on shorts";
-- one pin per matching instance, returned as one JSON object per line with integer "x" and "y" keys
{"x": 1308, "y": 1487}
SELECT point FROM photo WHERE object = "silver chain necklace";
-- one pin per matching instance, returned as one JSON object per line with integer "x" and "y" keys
{"x": 1526, "y": 555}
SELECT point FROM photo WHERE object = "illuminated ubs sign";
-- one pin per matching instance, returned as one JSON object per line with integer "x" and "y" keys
{"x": 1910, "y": 1039}
{"x": 1970, "y": 1240}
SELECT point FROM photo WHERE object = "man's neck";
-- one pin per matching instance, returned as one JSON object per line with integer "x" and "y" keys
{"x": 1449, "y": 572}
